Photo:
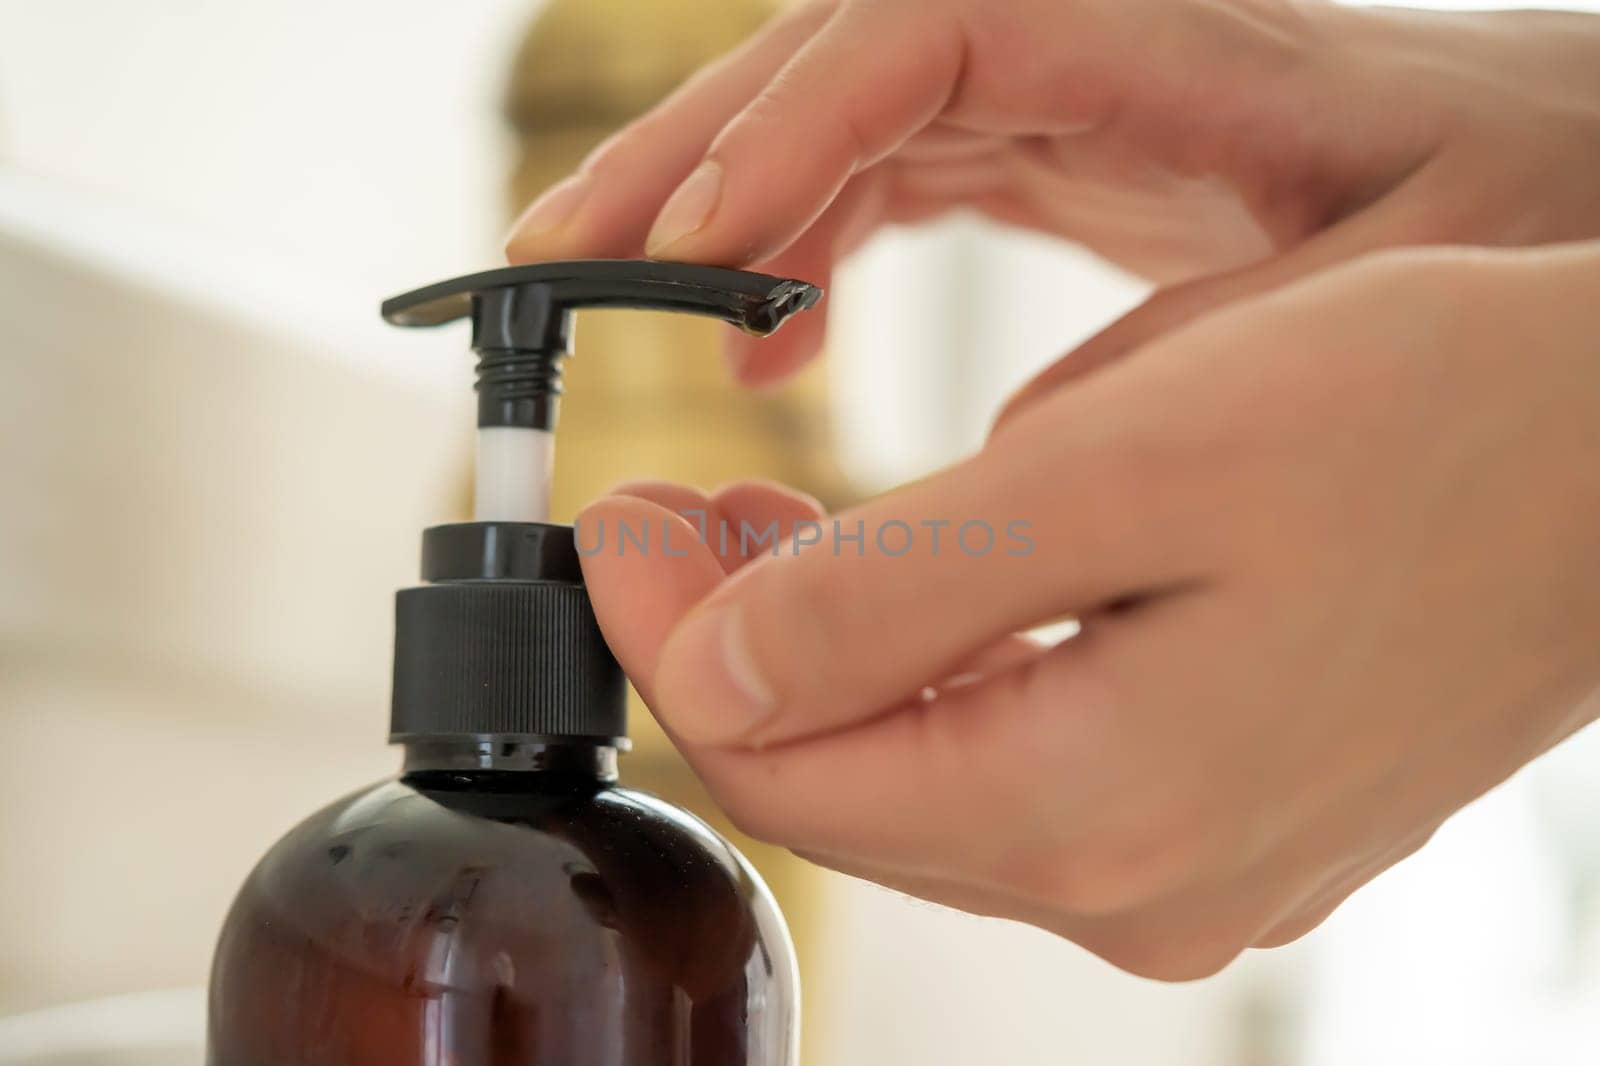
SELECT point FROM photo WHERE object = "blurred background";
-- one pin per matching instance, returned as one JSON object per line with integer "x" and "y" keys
{"x": 215, "y": 461}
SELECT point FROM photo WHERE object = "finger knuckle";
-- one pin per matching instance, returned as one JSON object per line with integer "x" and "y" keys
{"x": 1443, "y": 274}
{"x": 618, "y": 157}
{"x": 1162, "y": 955}
{"x": 1115, "y": 875}
{"x": 757, "y": 820}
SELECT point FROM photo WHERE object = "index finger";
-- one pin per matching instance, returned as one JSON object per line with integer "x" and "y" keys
{"x": 605, "y": 209}
{"x": 872, "y": 77}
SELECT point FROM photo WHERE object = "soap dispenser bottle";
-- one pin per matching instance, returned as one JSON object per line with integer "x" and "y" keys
{"x": 503, "y": 902}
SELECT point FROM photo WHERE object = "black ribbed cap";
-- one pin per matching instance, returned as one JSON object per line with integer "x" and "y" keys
{"x": 503, "y": 640}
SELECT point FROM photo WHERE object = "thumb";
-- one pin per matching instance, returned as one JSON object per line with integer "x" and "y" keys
{"x": 639, "y": 595}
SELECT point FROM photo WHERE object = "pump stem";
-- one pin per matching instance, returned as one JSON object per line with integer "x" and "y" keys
{"x": 514, "y": 473}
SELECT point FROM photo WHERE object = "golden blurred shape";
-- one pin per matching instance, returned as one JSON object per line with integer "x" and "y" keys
{"x": 603, "y": 62}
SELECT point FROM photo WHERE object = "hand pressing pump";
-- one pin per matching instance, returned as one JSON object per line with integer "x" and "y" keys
{"x": 503, "y": 902}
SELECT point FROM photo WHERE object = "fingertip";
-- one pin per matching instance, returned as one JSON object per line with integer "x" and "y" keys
{"x": 737, "y": 350}
{"x": 658, "y": 539}
{"x": 764, "y": 362}
{"x": 767, "y": 362}
{"x": 671, "y": 495}
{"x": 759, "y": 496}
{"x": 644, "y": 582}
{"x": 687, "y": 212}
{"x": 760, "y": 364}
{"x": 542, "y": 221}
{"x": 630, "y": 539}
{"x": 769, "y": 372}
{"x": 760, "y": 517}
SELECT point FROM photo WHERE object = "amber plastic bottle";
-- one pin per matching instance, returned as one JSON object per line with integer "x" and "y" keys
{"x": 503, "y": 902}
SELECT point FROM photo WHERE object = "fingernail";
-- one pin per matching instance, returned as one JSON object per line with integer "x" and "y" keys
{"x": 688, "y": 209}
{"x": 710, "y": 684}
{"x": 548, "y": 212}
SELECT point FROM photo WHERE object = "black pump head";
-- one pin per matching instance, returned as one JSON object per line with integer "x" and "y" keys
{"x": 522, "y": 318}
{"x": 501, "y": 641}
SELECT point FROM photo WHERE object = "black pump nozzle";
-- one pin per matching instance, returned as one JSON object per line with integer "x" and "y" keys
{"x": 502, "y": 641}
{"x": 522, "y": 321}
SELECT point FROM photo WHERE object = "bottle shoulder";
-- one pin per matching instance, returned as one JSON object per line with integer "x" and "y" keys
{"x": 416, "y": 826}
{"x": 499, "y": 872}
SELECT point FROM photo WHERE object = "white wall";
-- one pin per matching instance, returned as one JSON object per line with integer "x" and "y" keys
{"x": 360, "y": 136}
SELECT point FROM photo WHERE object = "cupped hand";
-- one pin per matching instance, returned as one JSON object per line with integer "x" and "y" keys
{"x": 1231, "y": 146}
{"x": 1333, "y": 553}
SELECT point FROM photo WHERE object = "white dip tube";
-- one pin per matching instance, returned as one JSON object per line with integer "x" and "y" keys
{"x": 514, "y": 471}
